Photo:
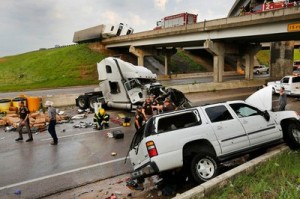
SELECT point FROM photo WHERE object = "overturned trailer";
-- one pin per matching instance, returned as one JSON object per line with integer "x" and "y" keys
{"x": 97, "y": 33}
{"x": 125, "y": 86}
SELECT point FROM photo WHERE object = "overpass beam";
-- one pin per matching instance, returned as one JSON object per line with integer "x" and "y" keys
{"x": 140, "y": 54}
{"x": 217, "y": 49}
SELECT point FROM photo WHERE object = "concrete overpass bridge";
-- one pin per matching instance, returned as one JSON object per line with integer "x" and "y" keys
{"x": 238, "y": 36}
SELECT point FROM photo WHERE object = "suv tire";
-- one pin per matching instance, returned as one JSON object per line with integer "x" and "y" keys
{"x": 292, "y": 137}
{"x": 204, "y": 167}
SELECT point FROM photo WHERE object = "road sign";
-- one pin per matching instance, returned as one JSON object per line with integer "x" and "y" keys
{"x": 294, "y": 27}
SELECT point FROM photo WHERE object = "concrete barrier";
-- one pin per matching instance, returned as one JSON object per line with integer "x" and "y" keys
{"x": 69, "y": 99}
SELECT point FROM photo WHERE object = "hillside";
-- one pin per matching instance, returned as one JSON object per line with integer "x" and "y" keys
{"x": 76, "y": 65}
{"x": 58, "y": 67}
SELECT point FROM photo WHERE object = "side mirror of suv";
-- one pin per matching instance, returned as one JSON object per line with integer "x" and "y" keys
{"x": 266, "y": 115}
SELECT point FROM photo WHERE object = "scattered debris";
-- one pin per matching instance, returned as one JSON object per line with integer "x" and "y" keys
{"x": 83, "y": 193}
{"x": 110, "y": 135}
{"x": 83, "y": 125}
{"x": 79, "y": 116}
{"x": 10, "y": 128}
{"x": 18, "y": 192}
{"x": 118, "y": 134}
{"x": 113, "y": 153}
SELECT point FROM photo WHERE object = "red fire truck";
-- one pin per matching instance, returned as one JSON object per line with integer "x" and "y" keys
{"x": 176, "y": 20}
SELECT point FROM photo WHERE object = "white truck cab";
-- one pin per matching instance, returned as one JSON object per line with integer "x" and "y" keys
{"x": 125, "y": 86}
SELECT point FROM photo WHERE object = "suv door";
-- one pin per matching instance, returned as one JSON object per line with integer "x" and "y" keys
{"x": 138, "y": 152}
{"x": 229, "y": 131}
{"x": 258, "y": 129}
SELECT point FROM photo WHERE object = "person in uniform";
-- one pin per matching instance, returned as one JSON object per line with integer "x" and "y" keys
{"x": 101, "y": 119}
{"x": 139, "y": 118}
{"x": 24, "y": 121}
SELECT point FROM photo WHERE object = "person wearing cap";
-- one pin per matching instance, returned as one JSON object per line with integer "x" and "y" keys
{"x": 147, "y": 108}
{"x": 101, "y": 119}
{"x": 24, "y": 121}
{"x": 139, "y": 118}
{"x": 52, "y": 122}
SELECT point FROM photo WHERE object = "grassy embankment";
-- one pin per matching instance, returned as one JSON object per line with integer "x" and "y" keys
{"x": 58, "y": 67}
{"x": 73, "y": 66}
{"x": 276, "y": 178}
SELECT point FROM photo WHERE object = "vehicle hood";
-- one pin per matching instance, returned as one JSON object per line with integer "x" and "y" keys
{"x": 261, "y": 99}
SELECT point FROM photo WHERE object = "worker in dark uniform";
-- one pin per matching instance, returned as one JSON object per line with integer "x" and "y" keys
{"x": 167, "y": 106}
{"x": 147, "y": 108}
{"x": 101, "y": 119}
{"x": 24, "y": 121}
{"x": 139, "y": 118}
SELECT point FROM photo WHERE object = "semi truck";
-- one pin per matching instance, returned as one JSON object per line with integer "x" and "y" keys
{"x": 176, "y": 20}
{"x": 125, "y": 86}
{"x": 103, "y": 31}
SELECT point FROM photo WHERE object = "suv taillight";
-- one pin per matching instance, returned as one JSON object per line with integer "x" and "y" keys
{"x": 151, "y": 149}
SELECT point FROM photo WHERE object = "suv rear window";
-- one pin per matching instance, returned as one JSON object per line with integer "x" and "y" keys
{"x": 178, "y": 121}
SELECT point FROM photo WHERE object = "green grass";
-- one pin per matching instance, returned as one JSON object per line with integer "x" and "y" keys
{"x": 76, "y": 65}
{"x": 276, "y": 178}
{"x": 297, "y": 54}
{"x": 263, "y": 56}
{"x": 58, "y": 67}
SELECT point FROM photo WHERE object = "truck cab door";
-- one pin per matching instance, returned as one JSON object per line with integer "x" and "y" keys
{"x": 134, "y": 90}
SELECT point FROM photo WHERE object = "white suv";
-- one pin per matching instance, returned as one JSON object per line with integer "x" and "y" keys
{"x": 200, "y": 138}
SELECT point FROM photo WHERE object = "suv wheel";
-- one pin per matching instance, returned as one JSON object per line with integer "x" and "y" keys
{"x": 204, "y": 167}
{"x": 292, "y": 137}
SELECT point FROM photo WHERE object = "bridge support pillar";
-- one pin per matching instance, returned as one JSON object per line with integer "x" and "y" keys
{"x": 168, "y": 54}
{"x": 248, "y": 55}
{"x": 140, "y": 54}
{"x": 281, "y": 61}
{"x": 217, "y": 49}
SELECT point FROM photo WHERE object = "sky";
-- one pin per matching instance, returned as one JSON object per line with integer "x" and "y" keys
{"x": 28, "y": 25}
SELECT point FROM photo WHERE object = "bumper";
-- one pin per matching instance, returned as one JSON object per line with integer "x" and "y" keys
{"x": 148, "y": 170}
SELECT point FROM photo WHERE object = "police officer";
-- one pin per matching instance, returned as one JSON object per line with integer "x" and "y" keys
{"x": 24, "y": 121}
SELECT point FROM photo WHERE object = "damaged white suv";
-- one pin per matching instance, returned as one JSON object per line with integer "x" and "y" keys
{"x": 200, "y": 138}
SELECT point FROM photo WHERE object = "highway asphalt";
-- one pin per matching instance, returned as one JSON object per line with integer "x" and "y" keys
{"x": 40, "y": 170}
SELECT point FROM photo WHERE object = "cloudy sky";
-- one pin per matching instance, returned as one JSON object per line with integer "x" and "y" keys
{"x": 28, "y": 25}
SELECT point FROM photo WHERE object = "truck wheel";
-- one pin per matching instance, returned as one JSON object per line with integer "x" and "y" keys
{"x": 204, "y": 167}
{"x": 257, "y": 72}
{"x": 292, "y": 136}
{"x": 92, "y": 100}
{"x": 83, "y": 102}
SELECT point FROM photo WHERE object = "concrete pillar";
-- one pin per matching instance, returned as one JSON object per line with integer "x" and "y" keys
{"x": 217, "y": 49}
{"x": 281, "y": 61}
{"x": 249, "y": 53}
{"x": 168, "y": 53}
{"x": 140, "y": 54}
{"x": 167, "y": 63}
